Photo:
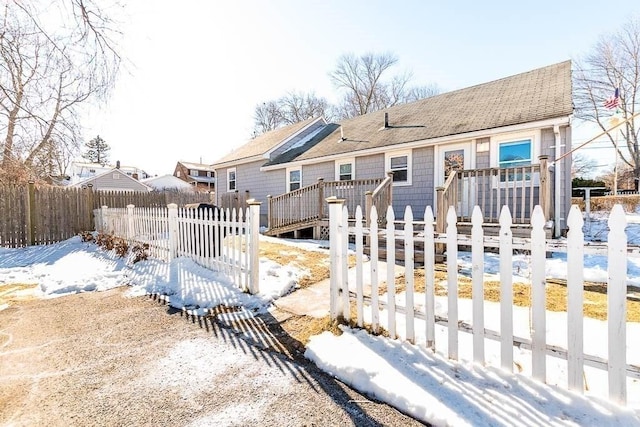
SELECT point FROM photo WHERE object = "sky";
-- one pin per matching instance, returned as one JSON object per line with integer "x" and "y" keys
{"x": 195, "y": 72}
{"x": 425, "y": 385}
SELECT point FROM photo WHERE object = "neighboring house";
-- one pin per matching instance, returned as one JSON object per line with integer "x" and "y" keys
{"x": 114, "y": 180}
{"x": 80, "y": 171}
{"x": 495, "y": 132}
{"x": 240, "y": 171}
{"x": 201, "y": 176}
{"x": 168, "y": 182}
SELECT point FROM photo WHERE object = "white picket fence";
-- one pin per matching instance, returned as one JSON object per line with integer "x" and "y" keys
{"x": 411, "y": 232}
{"x": 221, "y": 240}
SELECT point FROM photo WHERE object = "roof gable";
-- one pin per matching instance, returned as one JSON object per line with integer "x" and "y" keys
{"x": 540, "y": 94}
{"x": 264, "y": 144}
{"x": 131, "y": 182}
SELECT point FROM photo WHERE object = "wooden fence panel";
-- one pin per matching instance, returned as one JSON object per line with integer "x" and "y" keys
{"x": 33, "y": 214}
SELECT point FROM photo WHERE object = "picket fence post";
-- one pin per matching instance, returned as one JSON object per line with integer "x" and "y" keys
{"x": 391, "y": 277}
{"x": 477, "y": 286}
{"x": 373, "y": 244}
{"x": 253, "y": 249}
{"x": 408, "y": 274}
{"x": 103, "y": 217}
{"x": 359, "y": 261}
{"x": 173, "y": 230}
{"x": 617, "y": 304}
{"x": 335, "y": 246}
{"x": 538, "y": 296}
{"x": 429, "y": 277}
{"x": 506, "y": 290}
{"x": 452, "y": 282}
{"x": 130, "y": 224}
{"x": 344, "y": 261}
{"x": 575, "y": 289}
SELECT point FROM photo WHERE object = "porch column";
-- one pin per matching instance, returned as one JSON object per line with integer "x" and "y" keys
{"x": 545, "y": 186}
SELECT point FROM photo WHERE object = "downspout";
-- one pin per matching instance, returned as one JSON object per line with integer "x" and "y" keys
{"x": 557, "y": 182}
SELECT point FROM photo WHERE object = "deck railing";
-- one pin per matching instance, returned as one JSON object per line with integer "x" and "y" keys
{"x": 519, "y": 188}
{"x": 381, "y": 198}
{"x": 308, "y": 204}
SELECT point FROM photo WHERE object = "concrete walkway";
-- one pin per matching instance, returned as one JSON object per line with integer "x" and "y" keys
{"x": 315, "y": 300}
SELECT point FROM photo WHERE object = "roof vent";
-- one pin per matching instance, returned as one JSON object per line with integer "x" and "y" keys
{"x": 386, "y": 120}
{"x": 342, "y": 137}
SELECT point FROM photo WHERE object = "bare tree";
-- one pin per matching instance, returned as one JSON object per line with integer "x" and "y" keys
{"x": 53, "y": 58}
{"x": 365, "y": 87}
{"x": 291, "y": 108}
{"x": 582, "y": 166}
{"x": 613, "y": 63}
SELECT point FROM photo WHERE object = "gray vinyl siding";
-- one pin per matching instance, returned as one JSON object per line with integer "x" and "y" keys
{"x": 311, "y": 173}
{"x": 483, "y": 160}
{"x": 259, "y": 184}
{"x": 368, "y": 167}
{"x": 420, "y": 193}
{"x": 302, "y": 135}
{"x": 123, "y": 182}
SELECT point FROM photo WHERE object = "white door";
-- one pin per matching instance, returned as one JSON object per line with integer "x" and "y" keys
{"x": 454, "y": 157}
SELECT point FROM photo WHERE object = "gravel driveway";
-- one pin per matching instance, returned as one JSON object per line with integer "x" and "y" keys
{"x": 103, "y": 359}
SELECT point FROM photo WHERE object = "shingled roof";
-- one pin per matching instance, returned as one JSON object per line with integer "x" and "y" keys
{"x": 543, "y": 93}
{"x": 265, "y": 142}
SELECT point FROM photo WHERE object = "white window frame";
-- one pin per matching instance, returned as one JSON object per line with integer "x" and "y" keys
{"x": 338, "y": 163}
{"x": 229, "y": 180}
{"x": 533, "y": 135}
{"x": 194, "y": 172}
{"x": 116, "y": 175}
{"x": 393, "y": 154}
{"x": 288, "y": 172}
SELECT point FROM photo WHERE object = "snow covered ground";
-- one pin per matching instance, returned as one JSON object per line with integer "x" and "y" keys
{"x": 425, "y": 385}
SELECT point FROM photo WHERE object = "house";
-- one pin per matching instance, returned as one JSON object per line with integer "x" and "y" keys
{"x": 491, "y": 145}
{"x": 168, "y": 182}
{"x": 113, "y": 180}
{"x": 201, "y": 176}
{"x": 241, "y": 174}
{"x": 80, "y": 171}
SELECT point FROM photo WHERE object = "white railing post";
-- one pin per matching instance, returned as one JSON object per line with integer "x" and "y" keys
{"x": 335, "y": 246}
{"x": 452, "y": 282}
{"x": 477, "y": 289}
{"x": 373, "y": 244}
{"x": 173, "y": 230}
{"x": 506, "y": 290}
{"x": 254, "y": 239}
{"x": 538, "y": 296}
{"x": 617, "y": 304}
{"x": 130, "y": 224}
{"x": 575, "y": 290}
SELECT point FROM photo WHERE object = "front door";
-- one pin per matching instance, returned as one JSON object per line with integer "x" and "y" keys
{"x": 450, "y": 158}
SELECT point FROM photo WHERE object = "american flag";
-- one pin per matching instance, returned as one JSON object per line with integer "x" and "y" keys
{"x": 612, "y": 102}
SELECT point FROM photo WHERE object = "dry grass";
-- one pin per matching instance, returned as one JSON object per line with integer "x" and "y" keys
{"x": 14, "y": 292}
{"x": 595, "y": 297}
{"x": 315, "y": 263}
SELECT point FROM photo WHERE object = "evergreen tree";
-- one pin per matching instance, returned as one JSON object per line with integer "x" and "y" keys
{"x": 97, "y": 151}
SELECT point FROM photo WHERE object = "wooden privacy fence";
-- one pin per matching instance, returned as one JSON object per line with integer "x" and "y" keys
{"x": 32, "y": 214}
{"x": 421, "y": 313}
{"x": 221, "y": 240}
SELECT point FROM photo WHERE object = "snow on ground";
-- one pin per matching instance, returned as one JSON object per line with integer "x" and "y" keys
{"x": 425, "y": 385}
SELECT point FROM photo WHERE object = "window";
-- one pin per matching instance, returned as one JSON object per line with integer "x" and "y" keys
{"x": 231, "y": 179}
{"x": 193, "y": 172}
{"x": 512, "y": 155}
{"x": 92, "y": 170}
{"x": 516, "y": 153}
{"x": 345, "y": 170}
{"x": 294, "y": 179}
{"x": 209, "y": 174}
{"x": 400, "y": 165}
{"x": 116, "y": 175}
{"x": 178, "y": 174}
